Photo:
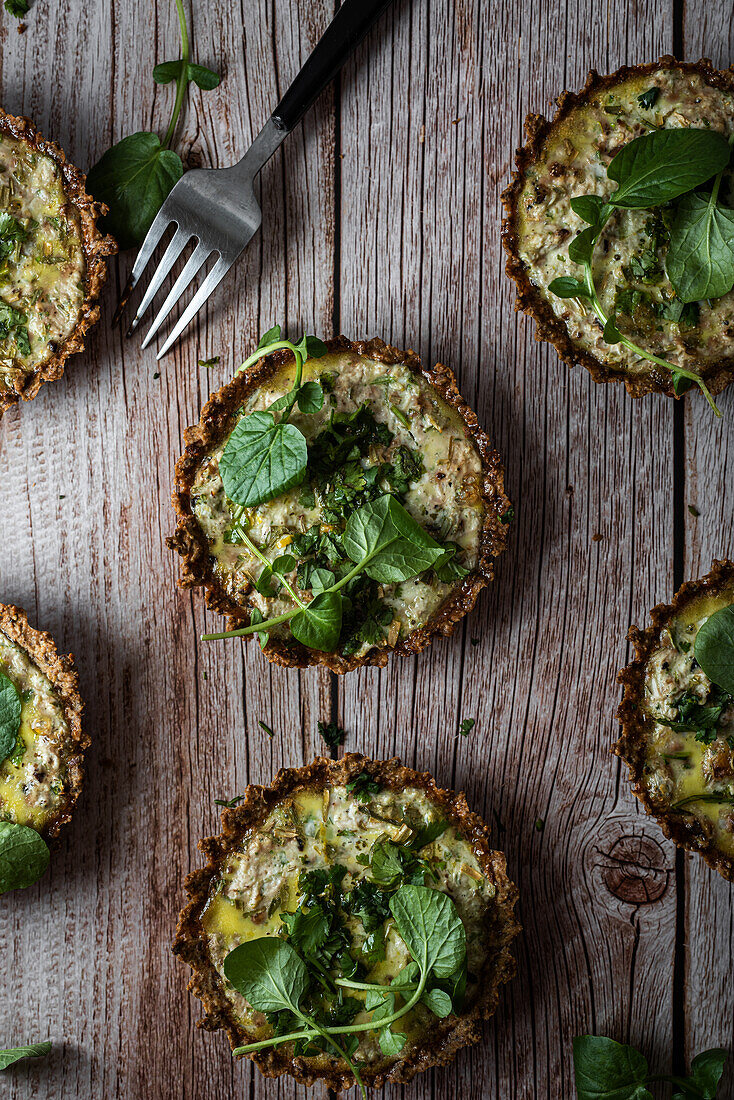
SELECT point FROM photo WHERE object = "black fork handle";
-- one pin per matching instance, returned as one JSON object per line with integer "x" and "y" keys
{"x": 339, "y": 40}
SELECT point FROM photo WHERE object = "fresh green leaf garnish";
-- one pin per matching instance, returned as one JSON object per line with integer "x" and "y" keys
{"x": 18, "y": 8}
{"x": 606, "y": 1070}
{"x": 14, "y": 324}
{"x": 10, "y": 710}
{"x": 333, "y": 735}
{"x": 648, "y": 99}
{"x": 14, "y": 1054}
{"x": 318, "y": 625}
{"x": 714, "y": 648}
{"x": 466, "y": 726}
{"x": 24, "y": 856}
{"x": 700, "y": 257}
{"x": 362, "y": 787}
{"x": 134, "y": 176}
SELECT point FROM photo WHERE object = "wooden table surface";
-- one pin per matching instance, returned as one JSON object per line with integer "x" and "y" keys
{"x": 381, "y": 217}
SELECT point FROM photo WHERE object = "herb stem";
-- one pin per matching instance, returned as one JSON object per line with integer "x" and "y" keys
{"x": 342, "y": 1053}
{"x": 275, "y": 1041}
{"x": 183, "y": 76}
{"x": 386, "y": 1020}
{"x": 268, "y": 565}
{"x": 254, "y": 628}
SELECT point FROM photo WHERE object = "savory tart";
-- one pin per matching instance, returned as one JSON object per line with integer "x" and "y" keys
{"x": 52, "y": 260}
{"x": 607, "y": 234}
{"x": 377, "y": 895}
{"x": 677, "y": 717}
{"x": 40, "y": 727}
{"x": 341, "y": 501}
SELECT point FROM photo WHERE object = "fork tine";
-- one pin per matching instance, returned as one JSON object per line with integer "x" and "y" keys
{"x": 212, "y": 280}
{"x": 158, "y": 227}
{"x": 175, "y": 247}
{"x": 196, "y": 260}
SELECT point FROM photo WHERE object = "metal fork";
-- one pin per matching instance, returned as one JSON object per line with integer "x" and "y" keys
{"x": 217, "y": 208}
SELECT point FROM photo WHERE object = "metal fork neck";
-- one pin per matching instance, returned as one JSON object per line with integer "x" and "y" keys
{"x": 267, "y": 141}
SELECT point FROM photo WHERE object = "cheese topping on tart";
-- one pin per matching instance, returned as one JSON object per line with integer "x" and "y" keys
{"x": 42, "y": 266}
{"x": 390, "y": 432}
{"x": 628, "y": 260}
{"x": 690, "y": 744}
{"x": 33, "y": 780}
{"x": 331, "y": 833}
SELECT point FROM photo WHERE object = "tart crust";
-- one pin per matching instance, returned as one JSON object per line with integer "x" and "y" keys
{"x": 717, "y": 374}
{"x": 678, "y": 827}
{"x": 447, "y": 1037}
{"x": 95, "y": 247}
{"x": 61, "y": 671}
{"x": 216, "y": 422}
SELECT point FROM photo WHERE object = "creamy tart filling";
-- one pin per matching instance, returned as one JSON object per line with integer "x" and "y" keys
{"x": 690, "y": 741}
{"x": 382, "y": 429}
{"x": 42, "y": 266}
{"x": 628, "y": 261}
{"x": 33, "y": 779}
{"x": 353, "y": 842}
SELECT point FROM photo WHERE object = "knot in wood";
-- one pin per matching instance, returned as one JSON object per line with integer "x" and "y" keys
{"x": 634, "y": 869}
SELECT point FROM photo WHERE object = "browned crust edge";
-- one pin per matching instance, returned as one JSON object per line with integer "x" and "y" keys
{"x": 449, "y": 1035}
{"x": 61, "y": 671}
{"x": 216, "y": 421}
{"x": 95, "y": 247}
{"x": 631, "y": 744}
{"x": 529, "y": 300}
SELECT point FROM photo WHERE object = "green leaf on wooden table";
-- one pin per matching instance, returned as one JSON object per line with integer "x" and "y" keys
{"x": 387, "y": 543}
{"x": 431, "y": 928}
{"x": 660, "y": 166}
{"x": 10, "y": 709}
{"x": 706, "y": 1071}
{"x": 133, "y": 178}
{"x": 700, "y": 257}
{"x": 168, "y": 71}
{"x": 606, "y": 1070}
{"x": 714, "y": 648}
{"x": 262, "y": 459}
{"x": 319, "y": 624}
{"x": 268, "y": 973}
{"x": 24, "y": 856}
{"x": 14, "y": 1054}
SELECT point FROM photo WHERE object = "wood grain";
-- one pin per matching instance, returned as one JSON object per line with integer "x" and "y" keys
{"x": 381, "y": 217}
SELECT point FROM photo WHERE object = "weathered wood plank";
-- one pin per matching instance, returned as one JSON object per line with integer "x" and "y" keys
{"x": 709, "y": 487}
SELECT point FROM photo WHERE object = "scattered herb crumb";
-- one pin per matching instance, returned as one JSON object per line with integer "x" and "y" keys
{"x": 205, "y": 675}
{"x": 157, "y": 374}
{"x": 209, "y": 362}
{"x": 267, "y": 729}
{"x": 508, "y": 516}
{"x": 62, "y": 496}
{"x": 332, "y": 734}
{"x": 466, "y": 726}
{"x": 475, "y": 641}
{"x": 230, "y": 803}
{"x": 596, "y": 537}
{"x": 694, "y": 510}
{"x": 540, "y": 824}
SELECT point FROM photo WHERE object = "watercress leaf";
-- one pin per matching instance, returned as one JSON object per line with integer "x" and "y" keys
{"x": 606, "y": 1070}
{"x": 264, "y": 583}
{"x": 10, "y": 708}
{"x": 567, "y": 287}
{"x": 204, "y": 78}
{"x": 431, "y": 928}
{"x": 256, "y": 616}
{"x": 438, "y": 1001}
{"x": 319, "y": 579}
{"x": 588, "y": 207}
{"x": 24, "y": 856}
{"x": 706, "y": 1071}
{"x": 611, "y": 333}
{"x": 582, "y": 246}
{"x": 700, "y": 257}
{"x": 132, "y": 179}
{"x": 262, "y": 459}
{"x": 14, "y": 1054}
{"x": 283, "y": 564}
{"x": 664, "y": 164}
{"x": 388, "y": 542}
{"x": 268, "y": 973}
{"x": 714, "y": 648}
{"x": 391, "y": 1042}
{"x": 272, "y": 336}
{"x": 681, "y": 384}
{"x": 407, "y": 976}
{"x": 167, "y": 71}
{"x": 315, "y": 348}
{"x": 310, "y": 397}
{"x": 319, "y": 625}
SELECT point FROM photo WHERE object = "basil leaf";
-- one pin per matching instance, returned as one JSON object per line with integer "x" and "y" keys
{"x": 14, "y": 1054}
{"x": 268, "y": 973}
{"x": 262, "y": 459}
{"x": 10, "y": 708}
{"x": 438, "y": 1001}
{"x": 431, "y": 928}
{"x": 606, "y": 1070}
{"x": 262, "y": 636}
{"x": 566, "y": 287}
{"x": 132, "y": 179}
{"x": 310, "y": 397}
{"x": 664, "y": 164}
{"x": 700, "y": 257}
{"x": 388, "y": 543}
{"x": 24, "y": 856}
{"x": 320, "y": 624}
{"x": 714, "y": 648}
{"x": 168, "y": 71}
